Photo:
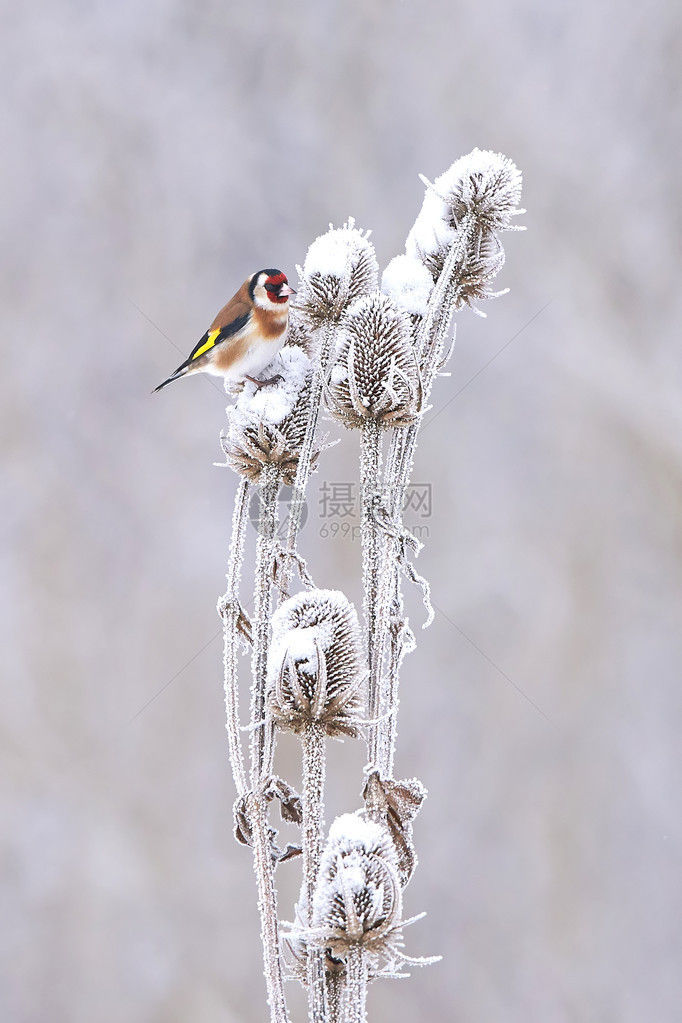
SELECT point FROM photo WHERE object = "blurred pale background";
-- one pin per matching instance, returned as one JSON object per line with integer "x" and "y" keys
{"x": 154, "y": 153}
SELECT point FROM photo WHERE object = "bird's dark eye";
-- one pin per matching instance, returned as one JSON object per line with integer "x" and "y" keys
{"x": 271, "y": 287}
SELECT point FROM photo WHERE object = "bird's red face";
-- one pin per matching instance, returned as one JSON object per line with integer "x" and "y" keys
{"x": 277, "y": 288}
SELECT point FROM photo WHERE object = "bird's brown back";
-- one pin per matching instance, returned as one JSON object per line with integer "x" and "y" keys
{"x": 239, "y": 305}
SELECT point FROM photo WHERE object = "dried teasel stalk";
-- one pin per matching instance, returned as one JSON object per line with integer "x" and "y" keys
{"x": 266, "y": 430}
{"x": 340, "y": 266}
{"x": 374, "y": 356}
{"x": 455, "y": 238}
{"x": 375, "y": 384}
{"x": 315, "y": 673}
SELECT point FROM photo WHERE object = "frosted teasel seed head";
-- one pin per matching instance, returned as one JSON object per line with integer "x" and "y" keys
{"x": 358, "y": 900}
{"x": 316, "y": 663}
{"x": 484, "y": 186}
{"x": 267, "y": 426}
{"x": 376, "y": 374}
{"x": 340, "y": 267}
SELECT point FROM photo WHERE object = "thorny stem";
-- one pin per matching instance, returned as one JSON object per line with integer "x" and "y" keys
{"x": 391, "y": 602}
{"x": 261, "y": 731}
{"x": 262, "y": 745}
{"x": 336, "y": 985}
{"x": 267, "y": 907}
{"x": 429, "y": 343}
{"x": 230, "y": 610}
{"x": 356, "y": 986}
{"x": 441, "y": 304}
{"x": 370, "y": 465}
{"x": 305, "y": 457}
{"x": 312, "y": 830}
{"x": 381, "y": 750}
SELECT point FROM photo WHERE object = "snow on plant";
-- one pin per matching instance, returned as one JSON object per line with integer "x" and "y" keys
{"x": 316, "y": 664}
{"x": 372, "y": 356}
{"x": 358, "y": 896}
{"x": 340, "y": 266}
{"x": 409, "y": 284}
{"x": 268, "y": 425}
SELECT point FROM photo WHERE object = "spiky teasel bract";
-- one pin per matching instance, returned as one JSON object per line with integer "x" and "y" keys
{"x": 484, "y": 263}
{"x": 298, "y": 331}
{"x": 267, "y": 425}
{"x": 316, "y": 667}
{"x": 376, "y": 374}
{"x": 340, "y": 267}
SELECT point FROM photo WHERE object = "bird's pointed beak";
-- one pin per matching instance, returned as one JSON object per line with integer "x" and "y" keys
{"x": 285, "y": 291}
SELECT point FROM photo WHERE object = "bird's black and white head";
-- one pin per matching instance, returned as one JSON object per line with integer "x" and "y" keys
{"x": 270, "y": 287}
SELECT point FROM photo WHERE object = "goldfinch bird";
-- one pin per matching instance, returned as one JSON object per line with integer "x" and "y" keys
{"x": 246, "y": 334}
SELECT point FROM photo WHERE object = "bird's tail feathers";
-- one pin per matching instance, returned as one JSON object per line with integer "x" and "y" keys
{"x": 180, "y": 372}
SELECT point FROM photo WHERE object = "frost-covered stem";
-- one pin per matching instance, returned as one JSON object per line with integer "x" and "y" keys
{"x": 442, "y": 301}
{"x": 356, "y": 986}
{"x": 400, "y": 460}
{"x": 261, "y": 730}
{"x": 230, "y": 609}
{"x": 312, "y": 830}
{"x": 381, "y": 751}
{"x": 267, "y": 907}
{"x": 261, "y": 744}
{"x": 370, "y": 466}
{"x": 387, "y": 660}
{"x": 335, "y": 987}
{"x": 430, "y": 343}
{"x": 306, "y": 454}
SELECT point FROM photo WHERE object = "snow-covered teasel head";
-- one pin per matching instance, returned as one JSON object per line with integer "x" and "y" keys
{"x": 274, "y": 403}
{"x": 376, "y": 375}
{"x": 267, "y": 425}
{"x": 358, "y": 899}
{"x": 340, "y": 266}
{"x": 483, "y": 185}
{"x": 316, "y": 664}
